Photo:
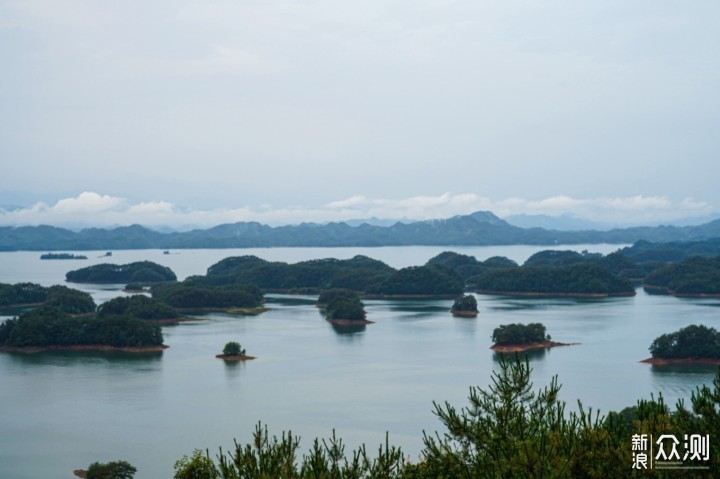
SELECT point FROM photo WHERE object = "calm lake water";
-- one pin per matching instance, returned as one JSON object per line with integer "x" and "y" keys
{"x": 62, "y": 411}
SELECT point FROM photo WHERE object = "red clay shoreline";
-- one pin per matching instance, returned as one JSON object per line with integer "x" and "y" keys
{"x": 234, "y": 357}
{"x": 681, "y": 361}
{"x": 467, "y": 314}
{"x": 514, "y": 348}
{"x": 84, "y": 347}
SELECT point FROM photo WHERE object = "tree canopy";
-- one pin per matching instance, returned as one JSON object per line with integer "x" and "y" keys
{"x": 515, "y": 333}
{"x": 137, "y": 306}
{"x": 693, "y": 341}
{"x": 50, "y": 326}
{"x": 137, "y": 272}
{"x": 692, "y": 276}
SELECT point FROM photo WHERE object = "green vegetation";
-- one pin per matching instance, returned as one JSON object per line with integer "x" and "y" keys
{"x": 421, "y": 281}
{"x": 138, "y": 272}
{"x": 465, "y": 304}
{"x": 111, "y": 470}
{"x": 22, "y": 293}
{"x": 575, "y": 279}
{"x": 692, "y": 276}
{"x": 49, "y": 326}
{"x": 342, "y": 304}
{"x": 517, "y": 334}
{"x": 358, "y": 273}
{"x": 469, "y": 268}
{"x": 137, "y": 306}
{"x": 69, "y": 300}
{"x": 190, "y": 295}
{"x": 508, "y": 430}
{"x": 233, "y": 348}
{"x": 62, "y": 256}
{"x": 690, "y": 342}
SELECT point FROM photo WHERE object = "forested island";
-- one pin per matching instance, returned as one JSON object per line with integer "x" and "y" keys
{"x": 693, "y": 344}
{"x": 62, "y": 256}
{"x": 143, "y": 272}
{"x": 68, "y": 300}
{"x": 581, "y": 279}
{"x": 49, "y": 328}
{"x": 342, "y": 306}
{"x": 360, "y": 273}
{"x": 141, "y": 307}
{"x": 465, "y": 305}
{"x": 197, "y": 296}
{"x": 692, "y": 277}
{"x": 517, "y": 337}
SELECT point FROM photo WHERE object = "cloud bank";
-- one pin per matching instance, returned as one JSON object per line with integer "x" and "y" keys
{"x": 94, "y": 209}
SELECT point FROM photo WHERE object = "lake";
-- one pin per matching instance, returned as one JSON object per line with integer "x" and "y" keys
{"x": 62, "y": 411}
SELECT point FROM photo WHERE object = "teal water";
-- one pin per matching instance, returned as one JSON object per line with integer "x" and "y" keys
{"x": 62, "y": 411}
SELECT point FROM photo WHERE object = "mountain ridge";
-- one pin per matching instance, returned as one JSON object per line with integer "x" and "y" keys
{"x": 481, "y": 228}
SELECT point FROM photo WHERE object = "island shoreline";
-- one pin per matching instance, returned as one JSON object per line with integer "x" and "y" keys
{"x": 516, "y": 348}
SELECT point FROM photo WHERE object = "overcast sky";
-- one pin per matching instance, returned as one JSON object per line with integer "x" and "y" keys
{"x": 201, "y": 112}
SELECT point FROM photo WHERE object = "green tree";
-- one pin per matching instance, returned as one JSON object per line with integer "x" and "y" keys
{"x": 233, "y": 348}
{"x": 197, "y": 466}
{"x": 111, "y": 470}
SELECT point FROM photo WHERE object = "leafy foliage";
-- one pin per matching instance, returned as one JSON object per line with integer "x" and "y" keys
{"x": 138, "y": 272}
{"x": 696, "y": 275}
{"x": 111, "y": 470}
{"x": 197, "y": 466}
{"x": 580, "y": 278}
{"x": 190, "y": 295}
{"x": 342, "y": 304}
{"x": 465, "y": 302}
{"x": 421, "y": 280}
{"x": 137, "y": 306}
{"x": 49, "y": 326}
{"x": 233, "y": 348}
{"x": 516, "y": 333}
{"x": 694, "y": 341}
{"x": 22, "y": 293}
{"x": 70, "y": 300}
{"x": 468, "y": 267}
{"x": 358, "y": 273}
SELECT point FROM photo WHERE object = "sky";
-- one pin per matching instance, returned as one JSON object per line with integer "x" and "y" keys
{"x": 190, "y": 112}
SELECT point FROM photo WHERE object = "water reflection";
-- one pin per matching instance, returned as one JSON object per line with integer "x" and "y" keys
{"x": 77, "y": 358}
{"x": 234, "y": 369}
{"x": 531, "y": 355}
{"x": 349, "y": 330}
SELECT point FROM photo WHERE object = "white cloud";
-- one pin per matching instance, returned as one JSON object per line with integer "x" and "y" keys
{"x": 93, "y": 209}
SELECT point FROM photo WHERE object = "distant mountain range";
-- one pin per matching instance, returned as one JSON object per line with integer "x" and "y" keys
{"x": 477, "y": 229}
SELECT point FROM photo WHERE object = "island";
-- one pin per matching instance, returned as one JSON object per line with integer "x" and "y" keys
{"x": 141, "y": 307}
{"x": 342, "y": 307}
{"x": 575, "y": 280}
{"x": 67, "y": 299}
{"x": 234, "y": 352}
{"x": 190, "y": 295}
{"x": 145, "y": 272}
{"x": 62, "y": 256}
{"x": 517, "y": 337}
{"x": 693, "y": 344}
{"x": 695, "y": 277}
{"x": 465, "y": 305}
{"x": 48, "y": 328}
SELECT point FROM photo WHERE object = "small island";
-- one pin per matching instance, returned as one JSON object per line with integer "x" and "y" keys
{"x": 465, "y": 305}
{"x": 62, "y": 256}
{"x": 234, "y": 352}
{"x": 68, "y": 300}
{"x": 693, "y": 344}
{"x": 342, "y": 307}
{"x": 141, "y": 307}
{"x": 189, "y": 295}
{"x": 522, "y": 337}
